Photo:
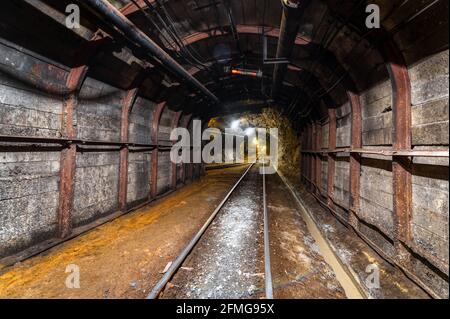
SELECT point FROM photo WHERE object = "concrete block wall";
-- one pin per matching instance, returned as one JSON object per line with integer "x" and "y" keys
{"x": 29, "y": 182}
{"x": 165, "y": 127}
{"x": 376, "y": 112}
{"x": 25, "y": 110}
{"x": 139, "y": 177}
{"x": 376, "y": 201}
{"x": 139, "y": 163}
{"x": 341, "y": 193}
{"x": 164, "y": 172}
{"x": 325, "y": 129}
{"x": 343, "y": 125}
{"x": 141, "y": 117}
{"x": 99, "y": 111}
{"x": 29, "y": 177}
{"x": 376, "y": 191}
{"x": 324, "y": 176}
{"x": 96, "y": 185}
{"x": 98, "y": 116}
{"x": 430, "y": 180}
{"x": 32, "y": 94}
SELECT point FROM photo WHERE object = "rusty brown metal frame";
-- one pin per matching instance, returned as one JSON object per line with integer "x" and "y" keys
{"x": 318, "y": 157}
{"x": 313, "y": 157}
{"x": 401, "y": 166}
{"x": 309, "y": 168}
{"x": 68, "y": 155}
{"x": 355, "y": 158}
{"x": 157, "y": 114}
{"x": 175, "y": 123}
{"x": 127, "y": 105}
{"x": 331, "y": 160}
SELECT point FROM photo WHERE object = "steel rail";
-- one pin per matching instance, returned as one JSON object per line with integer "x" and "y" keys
{"x": 180, "y": 259}
{"x": 267, "y": 269}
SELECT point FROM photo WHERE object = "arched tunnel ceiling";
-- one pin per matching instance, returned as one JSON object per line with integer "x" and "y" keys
{"x": 206, "y": 29}
{"x": 333, "y": 52}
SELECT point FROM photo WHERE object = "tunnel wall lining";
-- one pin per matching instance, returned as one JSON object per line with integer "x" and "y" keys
{"x": 33, "y": 98}
{"x": 426, "y": 258}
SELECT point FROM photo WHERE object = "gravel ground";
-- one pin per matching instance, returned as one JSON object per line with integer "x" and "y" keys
{"x": 228, "y": 260}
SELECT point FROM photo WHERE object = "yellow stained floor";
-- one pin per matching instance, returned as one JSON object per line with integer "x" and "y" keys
{"x": 122, "y": 258}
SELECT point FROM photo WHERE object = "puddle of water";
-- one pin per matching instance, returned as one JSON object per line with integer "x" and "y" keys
{"x": 347, "y": 282}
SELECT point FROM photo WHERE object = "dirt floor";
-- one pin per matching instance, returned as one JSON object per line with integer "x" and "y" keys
{"x": 298, "y": 267}
{"x": 355, "y": 255}
{"x": 228, "y": 262}
{"x": 123, "y": 258}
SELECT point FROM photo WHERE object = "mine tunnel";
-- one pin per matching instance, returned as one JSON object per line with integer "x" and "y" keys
{"x": 333, "y": 183}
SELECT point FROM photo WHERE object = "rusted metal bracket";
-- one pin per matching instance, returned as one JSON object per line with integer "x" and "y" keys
{"x": 355, "y": 158}
{"x": 318, "y": 158}
{"x": 331, "y": 161}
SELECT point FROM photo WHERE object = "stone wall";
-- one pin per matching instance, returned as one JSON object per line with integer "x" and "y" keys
{"x": 29, "y": 176}
{"x": 430, "y": 220}
{"x": 32, "y": 93}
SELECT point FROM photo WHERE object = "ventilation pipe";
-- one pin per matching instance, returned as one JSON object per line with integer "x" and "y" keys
{"x": 290, "y": 24}
{"x": 132, "y": 32}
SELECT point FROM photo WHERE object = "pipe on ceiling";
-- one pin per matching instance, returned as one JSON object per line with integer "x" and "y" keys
{"x": 290, "y": 24}
{"x": 131, "y": 31}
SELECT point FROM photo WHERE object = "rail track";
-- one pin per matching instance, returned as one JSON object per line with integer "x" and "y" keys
{"x": 242, "y": 219}
{"x": 177, "y": 263}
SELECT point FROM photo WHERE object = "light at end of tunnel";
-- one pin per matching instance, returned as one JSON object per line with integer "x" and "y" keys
{"x": 249, "y": 131}
{"x": 235, "y": 124}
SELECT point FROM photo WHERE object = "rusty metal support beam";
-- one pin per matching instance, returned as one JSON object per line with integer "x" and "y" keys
{"x": 68, "y": 155}
{"x": 401, "y": 166}
{"x": 331, "y": 160}
{"x": 318, "y": 142}
{"x": 307, "y": 167}
{"x": 310, "y": 157}
{"x": 157, "y": 113}
{"x": 175, "y": 123}
{"x": 313, "y": 157}
{"x": 355, "y": 158}
{"x": 127, "y": 104}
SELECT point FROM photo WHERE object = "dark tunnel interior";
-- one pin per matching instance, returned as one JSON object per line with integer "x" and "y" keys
{"x": 91, "y": 90}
